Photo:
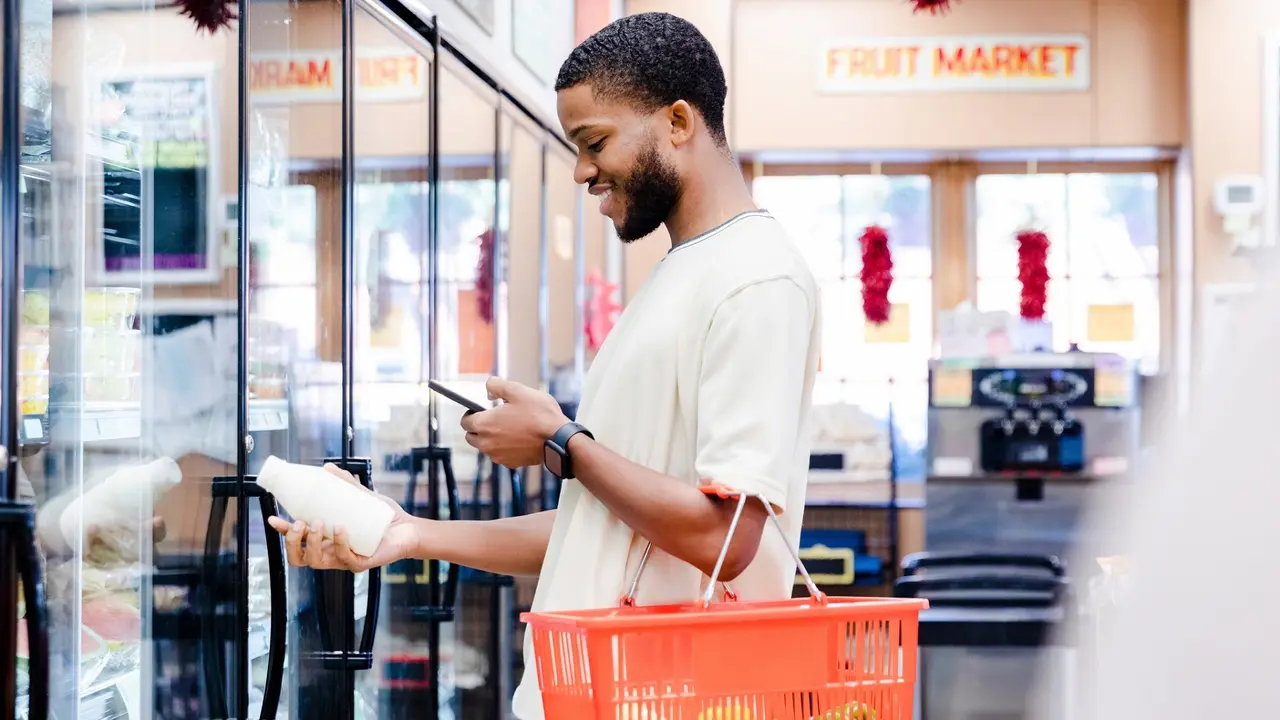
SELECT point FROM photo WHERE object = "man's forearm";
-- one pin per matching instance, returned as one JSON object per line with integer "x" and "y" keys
{"x": 678, "y": 519}
{"x": 510, "y": 546}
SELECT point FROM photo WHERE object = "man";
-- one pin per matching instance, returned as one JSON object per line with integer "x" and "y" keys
{"x": 706, "y": 379}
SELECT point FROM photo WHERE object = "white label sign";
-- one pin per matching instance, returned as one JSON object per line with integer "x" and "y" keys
{"x": 1019, "y": 63}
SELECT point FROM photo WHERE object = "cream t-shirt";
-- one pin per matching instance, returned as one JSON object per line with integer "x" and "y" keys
{"x": 708, "y": 375}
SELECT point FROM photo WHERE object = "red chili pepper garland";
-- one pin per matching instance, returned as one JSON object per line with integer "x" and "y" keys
{"x": 210, "y": 15}
{"x": 877, "y": 274}
{"x": 933, "y": 7}
{"x": 1033, "y": 273}
{"x": 484, "y": 277}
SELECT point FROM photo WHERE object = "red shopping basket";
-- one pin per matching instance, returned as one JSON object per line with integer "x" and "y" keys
{"x": 815, "y": 658}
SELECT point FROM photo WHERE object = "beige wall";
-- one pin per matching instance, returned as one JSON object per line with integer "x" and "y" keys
{"x": 1225, "y": 69}
{"x": 1135, "y": 99}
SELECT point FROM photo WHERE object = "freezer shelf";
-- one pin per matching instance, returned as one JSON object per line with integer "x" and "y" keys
{"x": 102, "y": 422}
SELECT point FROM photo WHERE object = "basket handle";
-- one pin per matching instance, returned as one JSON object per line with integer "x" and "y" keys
{"x": 726, "y": 493}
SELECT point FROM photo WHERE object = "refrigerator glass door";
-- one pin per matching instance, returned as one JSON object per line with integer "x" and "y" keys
{"x": 523, "y": 153}
{"x": 392, "y": 343}
{"x": 128, "y": 356}
{"x": 295, "y": 341}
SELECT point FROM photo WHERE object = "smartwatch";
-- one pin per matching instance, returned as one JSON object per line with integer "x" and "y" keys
{"x": 555, "y": 452}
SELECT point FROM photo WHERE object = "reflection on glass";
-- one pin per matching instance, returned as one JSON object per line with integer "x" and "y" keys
{"x": 128, "y": 349}
{"x": 294, "y": 352}
{"x": 466, "y": 334}
{"x": 597, "y": 294}
{"x": 564, "y": 329}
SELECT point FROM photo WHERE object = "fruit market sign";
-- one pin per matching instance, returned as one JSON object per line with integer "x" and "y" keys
{"x": 1002, "y": 63}
{"x": 382, "y": 75}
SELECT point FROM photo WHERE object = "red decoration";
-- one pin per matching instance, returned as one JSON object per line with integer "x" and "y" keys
{"x": 484, "y": 277}
{"x": 932, "y": 7}
{"x": 877, "y": 274}
{"x": 1033, "y": 273}
{"x": 210, "y": 15}
{"x": 602, "y": 309}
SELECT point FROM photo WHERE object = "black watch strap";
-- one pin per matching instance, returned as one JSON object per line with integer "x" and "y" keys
{"x": 556, "y": 453}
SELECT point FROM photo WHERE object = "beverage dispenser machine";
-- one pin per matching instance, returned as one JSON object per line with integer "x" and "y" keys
{"x": 1018, "y": 445}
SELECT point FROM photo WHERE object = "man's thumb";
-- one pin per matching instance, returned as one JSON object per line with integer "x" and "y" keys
{"x": 501, "y": 389}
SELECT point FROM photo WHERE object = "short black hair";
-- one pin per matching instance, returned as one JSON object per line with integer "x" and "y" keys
{"x": 651, "y": 60}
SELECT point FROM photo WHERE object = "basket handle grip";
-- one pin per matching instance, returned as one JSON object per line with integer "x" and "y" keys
{"x": 726, "y": 493}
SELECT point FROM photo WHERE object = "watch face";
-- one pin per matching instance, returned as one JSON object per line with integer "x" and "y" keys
{"x": 554, "y": 461}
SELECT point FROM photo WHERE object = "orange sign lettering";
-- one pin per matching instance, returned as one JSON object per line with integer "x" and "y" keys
{"x": 1045, "y": 62}
{"x": 284, "y": 75}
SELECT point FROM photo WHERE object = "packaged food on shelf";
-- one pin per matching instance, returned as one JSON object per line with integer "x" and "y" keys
{"x": 111, "y": 351}
{"x": 34, "y": 335}
{"x": 33, "y": 357}
{"x": 111, "y": 388}
{"x": 35, "y": 307}
{"x": 35, "y": 405}
{"x": 111, "y": 308}
{"x": 33, "y": 384}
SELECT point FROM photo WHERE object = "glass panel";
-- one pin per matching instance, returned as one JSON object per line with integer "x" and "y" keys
{"x": 294, "y": 304}
{"x": 392, "y": 344}
{"x": 1118, "y": 316}
{"x": 1114, "y": 222}
{"x": 467, "y": 347}
{"x": 129, "y": 350}
{"x": 809, "y": 207}
{"x": 902, "y": 204}
{"x": 563, "y": 327}
{"x": 865, "y": 420}
{"x": 596, "y": 293}
{"x": 1006, "y": 295}
{"x": 851, "y": 351}
{"x": 1005, "y": 204}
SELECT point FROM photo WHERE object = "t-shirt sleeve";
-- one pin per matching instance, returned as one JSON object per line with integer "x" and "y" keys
{"x": 751, "y": 389}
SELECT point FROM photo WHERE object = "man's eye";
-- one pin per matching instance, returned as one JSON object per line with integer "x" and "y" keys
{"x": 596, "y": 146}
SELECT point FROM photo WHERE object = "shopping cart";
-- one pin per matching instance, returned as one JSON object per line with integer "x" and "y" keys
{"x": 815, "y": 658}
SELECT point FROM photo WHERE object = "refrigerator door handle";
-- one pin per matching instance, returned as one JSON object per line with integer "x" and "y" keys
{"x": 374, "y": 598}
{"x": 517, "y": 492}
{"x": 450, "y": 594}
{"x": 21, "y": 519}
{"x": 279, "y": 607}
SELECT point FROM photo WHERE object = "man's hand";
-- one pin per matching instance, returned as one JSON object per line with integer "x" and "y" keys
{"x": 322, "y": 548}
{"x": 513, "y": 434}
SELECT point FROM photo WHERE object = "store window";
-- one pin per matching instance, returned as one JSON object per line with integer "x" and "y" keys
{"x": 881, "y": 371}
{"x": 1104, "y": 258}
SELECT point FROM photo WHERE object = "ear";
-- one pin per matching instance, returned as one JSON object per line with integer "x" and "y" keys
{"x": 683, "y": 122}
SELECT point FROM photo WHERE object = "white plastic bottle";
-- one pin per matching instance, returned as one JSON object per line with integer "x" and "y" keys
{"x": 312, "y": 494}
{"x": 121, "y": 497}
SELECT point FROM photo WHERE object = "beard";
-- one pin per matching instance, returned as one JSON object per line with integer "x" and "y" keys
{"x": 652, "y": 191}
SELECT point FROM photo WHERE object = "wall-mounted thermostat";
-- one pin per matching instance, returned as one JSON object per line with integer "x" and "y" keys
{"x": 1239, "y": 195}
{"x": 1239, "y": 199}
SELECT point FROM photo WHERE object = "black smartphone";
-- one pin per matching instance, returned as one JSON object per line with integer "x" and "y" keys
{"x": 456, "y": 396}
